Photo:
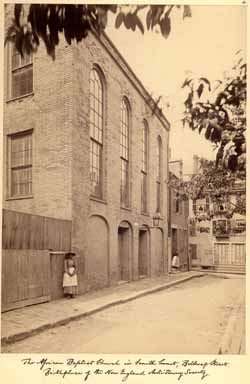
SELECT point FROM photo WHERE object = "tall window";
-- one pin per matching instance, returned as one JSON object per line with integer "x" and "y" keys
{"x": 96, "y": 133}
{"x": 144, "y": 167}
{"x": 159, "y": 175}
{"x": 21, "y": 74}
{"x": 124, "y": 154}
{"x": 177, "y": 203}
{"x": 20, "y": 164}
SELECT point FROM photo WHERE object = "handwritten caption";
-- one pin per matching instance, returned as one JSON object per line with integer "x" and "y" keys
{"x": 125, "y": 369}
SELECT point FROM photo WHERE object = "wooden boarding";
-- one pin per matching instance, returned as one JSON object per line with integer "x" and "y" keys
{"x": 25, "y": 277}
{"x": 56, "y": 273}
{"x": 26, "y": 231}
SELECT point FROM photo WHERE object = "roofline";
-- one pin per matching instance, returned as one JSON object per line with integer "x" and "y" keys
{"x": 109, "y": 45}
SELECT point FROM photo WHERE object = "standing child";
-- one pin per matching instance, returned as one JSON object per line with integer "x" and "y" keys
{"x": 175, "y": 262}
{"x": 70, "y": 276}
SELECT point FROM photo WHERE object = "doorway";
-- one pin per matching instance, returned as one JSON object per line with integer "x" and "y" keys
{"x": 143, "y": 259}
{"x": 174, "y": 242}
{"x": 124, "y": 251}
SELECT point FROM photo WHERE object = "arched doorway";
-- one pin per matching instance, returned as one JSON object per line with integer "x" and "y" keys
{"x": 98, "y": 252}
{"x": 124, "y": 251}
{"x": 143, "y": 252}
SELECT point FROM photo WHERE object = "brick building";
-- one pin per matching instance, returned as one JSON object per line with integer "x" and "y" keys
{"x": 81, "y": 143}
{"x": 178, "y": 217}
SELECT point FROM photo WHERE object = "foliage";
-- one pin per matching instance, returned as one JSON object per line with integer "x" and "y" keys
{"x": 220, "y": 113}
{"x": 35, "y": 22}
{"x": 216, "y": 183}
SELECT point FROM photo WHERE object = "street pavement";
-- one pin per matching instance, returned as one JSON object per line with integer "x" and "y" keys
{"x": 192, "y": 317}
{"x": 21, "y": 323}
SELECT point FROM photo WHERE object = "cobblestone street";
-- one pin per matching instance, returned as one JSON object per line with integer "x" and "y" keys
{"x": 189, "y": 318}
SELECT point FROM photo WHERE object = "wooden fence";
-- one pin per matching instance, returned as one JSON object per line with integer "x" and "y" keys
{"x": 26, "y": 231}
{"x": 25, "y": 277}
{"x": 30, "y": 277}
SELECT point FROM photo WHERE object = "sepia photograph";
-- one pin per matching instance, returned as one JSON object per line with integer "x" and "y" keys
{"x": 124, "y": 179}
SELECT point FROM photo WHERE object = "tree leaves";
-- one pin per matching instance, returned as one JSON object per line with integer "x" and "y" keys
{"x": 165, "y": 26}
{"x": 200, "y": 90}
{"x": 17, "y": 13}
{"x": 214, "y": 182}
{"x": 130, "y": 20}
{"x": 223, "y": 120}
{"x": 139, "y": 24}
{"x": 119, "y": 19}
{"x": 187, "y": 82}
{"x": 187, "y": 11}
{"x": 206, "y": 81}
{"x": 76, "y": 20}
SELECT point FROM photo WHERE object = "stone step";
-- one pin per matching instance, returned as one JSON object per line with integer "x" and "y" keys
{"x": 223, "y": 268}
{"x": 231, "y": 269}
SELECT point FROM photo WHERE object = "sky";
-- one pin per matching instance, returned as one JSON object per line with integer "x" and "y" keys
{"x": 203, "y": 45}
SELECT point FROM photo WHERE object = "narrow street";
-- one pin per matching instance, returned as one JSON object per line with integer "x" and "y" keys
{"x": 189, "y": 318}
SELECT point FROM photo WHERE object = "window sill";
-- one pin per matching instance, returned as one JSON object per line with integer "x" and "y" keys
{"x": 98, "y": 200}
{"x": 126, "y": 208}
{"x": 145, "y": 214}
{"x": 20, "y": 97}
{"x": 19, "y": 197}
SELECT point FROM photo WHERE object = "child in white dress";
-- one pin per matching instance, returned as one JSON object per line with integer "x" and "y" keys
{"x": 70, "y": 276}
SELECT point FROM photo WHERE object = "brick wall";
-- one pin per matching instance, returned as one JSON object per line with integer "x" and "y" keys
{"x": 59, "y": 114}
{"x": 49, "y": 113}
{"x": 117, "y": 84}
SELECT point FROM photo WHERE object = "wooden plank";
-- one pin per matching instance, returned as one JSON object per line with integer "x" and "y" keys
{"x": 11, "y": 277}
{"x": 23, "y": 273}
{"x": 25, "y": 231}
{"x": 57, "y": 270}
{"x": 4, "y": 282}
{"x": 26, "y": 275}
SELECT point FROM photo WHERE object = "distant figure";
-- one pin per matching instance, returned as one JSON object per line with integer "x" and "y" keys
{"x": 175, "y": 262}
{"x": 70, "y": 276}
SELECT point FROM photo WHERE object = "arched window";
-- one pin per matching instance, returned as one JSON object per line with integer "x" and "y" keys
{"x": 159, "y": 175}
{"x": 124, "y": 153}
{"x": 96, "y": 133}
{"x": 144, "y": 166}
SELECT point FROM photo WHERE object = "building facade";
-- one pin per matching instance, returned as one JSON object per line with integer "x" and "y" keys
{"x": 179, "y": 217}
{"x": 217, "y": 235}
{"x": 82, "y": 143}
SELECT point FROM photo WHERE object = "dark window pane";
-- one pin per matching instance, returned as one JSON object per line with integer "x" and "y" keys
{"x": 158, "y": 196}
{"x": 143, "y": 192}
{"x": 21, "y": 165}
{"x": 124, "y": 154}
{"x": 96, "y": 133}
{"x": 158, "y": 175}
{"x": 22, "y": 74}
{"x": 124, "y": 187}
{"x": 144, "y": 149}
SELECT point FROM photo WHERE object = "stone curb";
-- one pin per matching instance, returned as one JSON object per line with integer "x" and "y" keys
{"x": 232, "y": 339}
{"x": 23, "y": 335}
